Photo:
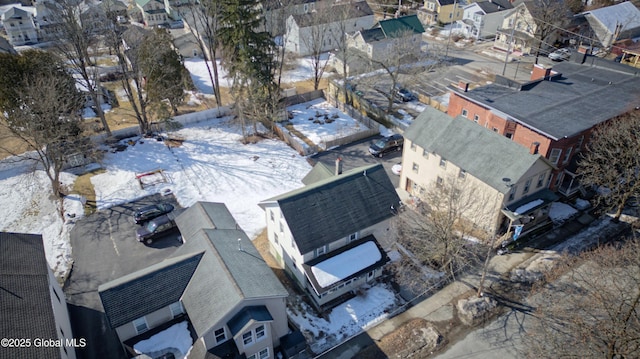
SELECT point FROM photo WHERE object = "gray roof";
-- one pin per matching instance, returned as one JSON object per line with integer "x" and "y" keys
{"x": 230, "y": 272}
{"x": 328, "y": 210}
{"x": 140, "y": 293}
{"x": 205, "y": 215}
{"x": 579, "y": 98}
{"x": 333, "y": 13}
{"x": 624, "y": 14}
{"x": 492, "y": 6}
{"x": 375, "y": 34}
{"x": 25, "y": 298}
{"x": 482, "y": 153}
{"x": 319, "y": 172}
{"x": 258, "y": 313}
{"x": 15, "y": 13}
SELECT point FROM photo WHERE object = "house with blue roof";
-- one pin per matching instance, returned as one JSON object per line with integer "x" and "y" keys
{"x": 325, "y": 234}
{"x": 216, "y": 281}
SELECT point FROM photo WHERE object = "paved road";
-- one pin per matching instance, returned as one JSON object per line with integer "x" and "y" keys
{"x": 104, "y": 248}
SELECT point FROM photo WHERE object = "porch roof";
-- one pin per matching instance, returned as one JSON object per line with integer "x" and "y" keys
{"x": 529, "y": 204}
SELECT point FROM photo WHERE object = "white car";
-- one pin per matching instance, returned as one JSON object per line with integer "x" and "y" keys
{"x": 396, "y": 169}
{"x": 560, "y": 55}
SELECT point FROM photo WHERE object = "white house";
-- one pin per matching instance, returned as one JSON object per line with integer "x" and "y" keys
{"x": 20, "y": 25}
{"x": 481, "y": 19}
{"x": 322, "y": 29}
{"x": 325, "y": 234}
{"x": 615, "y": 22}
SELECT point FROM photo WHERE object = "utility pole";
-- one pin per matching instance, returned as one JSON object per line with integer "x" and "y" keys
{"x": 506, "y": 57}
{"x": 455, "y": 5}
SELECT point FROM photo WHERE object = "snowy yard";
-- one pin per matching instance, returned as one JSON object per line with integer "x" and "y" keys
{"x": 319, "y": 121}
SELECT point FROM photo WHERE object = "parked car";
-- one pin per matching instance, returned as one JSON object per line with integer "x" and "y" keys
{"x": 560, "y": 55}
{"x": 404, "y": 94}
{"x": 150, "y": 212}
{"x": 387, "y": 144}
{"x": 156, "y": 228}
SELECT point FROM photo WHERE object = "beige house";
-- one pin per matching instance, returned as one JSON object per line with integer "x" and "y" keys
{"x": 33, "y": 304}
{"x": 153, "y": 12}
{"x": 325, "y": 234}
{"x": 216, "y": 281}
{"x": 441, "y": 11}
{"x": 507, "y": 184}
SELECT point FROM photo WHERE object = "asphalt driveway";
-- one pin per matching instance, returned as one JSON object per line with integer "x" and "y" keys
{"x": 357, "y": 154}
{"x": 105, "y": 248}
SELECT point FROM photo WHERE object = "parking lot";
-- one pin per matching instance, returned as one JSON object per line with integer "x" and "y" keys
{"x": 357, "y": 154}
{"x": 105, "y": 248}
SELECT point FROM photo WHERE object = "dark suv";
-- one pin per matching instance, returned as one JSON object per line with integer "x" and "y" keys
{"x": 156, "y": 228}
{"x": 386, "y": 144}
{"x": 150, "y": 212}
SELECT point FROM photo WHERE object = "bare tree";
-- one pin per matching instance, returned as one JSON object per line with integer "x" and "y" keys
{"x": 342, "y": 49}
{"x": 612, "y": 161}
{"x": 77, "y": 30}
{"x": 45, "y": 113}
{"x": 547, "y": 17}
{"x": 318, "y": 38}
{"x": 202, "y": 19}
{"x": 589, "y": 306}
{"x": 438, "y": 235}
{"x": 403, "y": 55}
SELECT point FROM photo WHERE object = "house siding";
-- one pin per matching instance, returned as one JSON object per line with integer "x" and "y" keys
{"x": 487, "y": 212}
{"x": 61, "y": 315}
{"x": 154, "y": 319}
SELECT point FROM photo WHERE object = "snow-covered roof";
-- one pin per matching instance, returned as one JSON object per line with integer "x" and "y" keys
{"x": 345, "y": 264}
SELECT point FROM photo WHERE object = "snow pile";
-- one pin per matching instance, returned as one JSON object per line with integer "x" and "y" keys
{"x": 560, "y": 212}
{"x": 527, "y": 206}
{"x": 345, "y": 320}
{"x": 175, "y": 337}
{"x": 346, "y": 263}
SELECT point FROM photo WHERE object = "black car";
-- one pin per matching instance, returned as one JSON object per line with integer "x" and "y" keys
{"x": 150, "y": 212}
{"x": 387, "y": 144}
{"x": 404, "y": 95}
{"x": 156, "y": 228}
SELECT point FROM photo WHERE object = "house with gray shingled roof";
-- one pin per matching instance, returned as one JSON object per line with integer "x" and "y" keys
{"x": 481, "y": 19}
{"x": 216, "y": 281}
{"x": 494, "y": 182}
{"x": 325, "y": 234}
{"x": 555, "y": 113}
{"x": 32, "y": 304}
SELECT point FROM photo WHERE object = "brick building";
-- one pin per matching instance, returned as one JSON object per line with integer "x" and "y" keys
{"x": 555, "y": 112}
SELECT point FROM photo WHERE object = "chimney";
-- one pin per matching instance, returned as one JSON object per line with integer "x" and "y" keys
{"x": 540, "y": 72}
{"x": 463, "y": 85}
{"x": 535, "y": 146}
{"x": 338, "y": 166}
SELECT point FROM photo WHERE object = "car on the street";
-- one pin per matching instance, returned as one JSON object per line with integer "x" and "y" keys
{"x": 387, "y": 144}
{"x": 156, "y": 228}
{"x": 150, "y": 212}
{"x": 560, "y": 54}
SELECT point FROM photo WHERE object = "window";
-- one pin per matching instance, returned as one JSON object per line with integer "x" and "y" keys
{"x": 176, "y": 309}
{"x": 320, "y": 251}
{"x": 293, "y": 244}
{"x": 415, "y": 167}
{"x": 579, "y": 145}
{"x": 540, "y": 181}
{"x": 439, "y": 181}
{"x": 425, "y": 153}
{"x": 567, "y": 155}
{"x": 220, "y": 335}
{"x": 141, "y": 325}
{"x": 263, "y": 354}
{"x": 462, "y": 174}
{"x": 353, "y": 237}
{"x": 413, "y": 147}
{"x": 247, "y": 338}
{"x": 271, "y": 215}
{"x": 509, "y": 135}
{"x": 512, "y": 193}
{"x": 465, "y": 112}
{"x": 275, "y": 237}
{"x": 555, "y": 155}
{"x": 495, "y": 129}
{"x": 443, "y": 163}
{"x": 260, "y": 332}
{"x": 476, "y": 118}
{"x": 281, "y": 227}
{"x": 526, "y": 186}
